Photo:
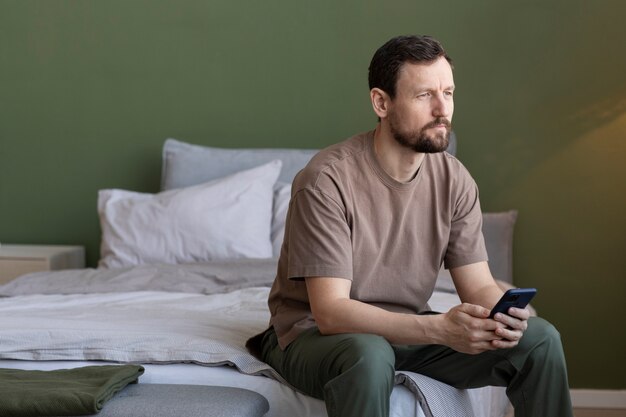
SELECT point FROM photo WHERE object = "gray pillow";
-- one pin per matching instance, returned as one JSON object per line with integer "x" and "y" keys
{"x": 498, "y": 233}
{"x": 185, "y": 164}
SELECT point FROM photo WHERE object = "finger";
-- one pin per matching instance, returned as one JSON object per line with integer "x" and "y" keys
{"x": 492, "y": 325}
{"x": 474, "y": 310}
{"x": 511, "y": 322}
{"x": 508, "y": 334}
{"x": 504, "y": 344}
{"x": 520, "y": 313}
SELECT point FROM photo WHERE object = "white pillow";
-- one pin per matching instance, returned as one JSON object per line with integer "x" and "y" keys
{"x": 225, "y": 218}
{"x": 282, "y": 196}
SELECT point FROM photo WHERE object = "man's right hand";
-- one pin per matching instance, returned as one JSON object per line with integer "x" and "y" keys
{"x": 466, "y": 328}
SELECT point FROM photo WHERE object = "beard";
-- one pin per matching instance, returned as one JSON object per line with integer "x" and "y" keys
{"x": 420, "y": 141}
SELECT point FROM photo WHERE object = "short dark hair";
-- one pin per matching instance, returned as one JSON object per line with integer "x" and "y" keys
{"x": 388, "y": 59}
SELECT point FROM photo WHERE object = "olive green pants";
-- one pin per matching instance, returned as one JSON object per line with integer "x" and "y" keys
{"x": 354, "y": 373}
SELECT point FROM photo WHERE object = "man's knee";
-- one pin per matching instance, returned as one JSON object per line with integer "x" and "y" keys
{"x": 542, "y": 338}
{"x": 541, "y": 330}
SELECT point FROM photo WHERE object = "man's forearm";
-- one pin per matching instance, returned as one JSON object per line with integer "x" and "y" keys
{"x": 475, "y": 285}
{"x": 486, "y": 296}
{"x": 352, "y": 316}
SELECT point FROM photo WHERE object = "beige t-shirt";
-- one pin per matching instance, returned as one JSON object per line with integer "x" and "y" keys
{"x": 349, "y": 219}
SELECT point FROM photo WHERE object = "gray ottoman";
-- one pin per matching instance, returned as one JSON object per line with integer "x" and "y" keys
{"x": 171, "y": 400}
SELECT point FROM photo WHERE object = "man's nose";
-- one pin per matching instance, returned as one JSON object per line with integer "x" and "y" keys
{"x": 442, "y": 106}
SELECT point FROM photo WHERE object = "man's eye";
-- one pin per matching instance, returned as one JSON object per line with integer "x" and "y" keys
{"x": 423, "y": 95}
{"x": 448, "y": 93}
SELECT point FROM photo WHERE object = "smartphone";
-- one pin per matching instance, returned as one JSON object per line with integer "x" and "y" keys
{"x": 515, "y": 297}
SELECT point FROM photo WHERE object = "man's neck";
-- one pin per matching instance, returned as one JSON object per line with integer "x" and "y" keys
{"x": 398, "y": 161}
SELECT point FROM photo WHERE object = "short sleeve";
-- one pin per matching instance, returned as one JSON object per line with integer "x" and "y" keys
{"x": 466, "y": 245}
{"x": 318, "y": 237}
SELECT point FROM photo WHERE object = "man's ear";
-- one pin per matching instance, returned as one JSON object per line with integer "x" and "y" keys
{"x": 380, "y": 102}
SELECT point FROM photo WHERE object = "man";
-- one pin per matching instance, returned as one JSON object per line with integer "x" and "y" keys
{"x": 370, "y": 222}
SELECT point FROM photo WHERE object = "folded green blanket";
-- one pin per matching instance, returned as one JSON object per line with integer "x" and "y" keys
{"x": 64, "y": 392}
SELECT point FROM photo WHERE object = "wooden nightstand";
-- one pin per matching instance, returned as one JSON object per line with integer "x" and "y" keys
{"x": 16, "y": 260}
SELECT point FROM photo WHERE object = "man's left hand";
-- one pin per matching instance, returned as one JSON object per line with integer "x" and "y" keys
{"x": 516, "y": 324}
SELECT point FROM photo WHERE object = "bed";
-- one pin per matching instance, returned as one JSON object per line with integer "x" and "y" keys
{"x": 182, "y": 305}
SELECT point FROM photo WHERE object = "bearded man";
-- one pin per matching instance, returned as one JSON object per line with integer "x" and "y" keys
{"x": 370, "y": 222}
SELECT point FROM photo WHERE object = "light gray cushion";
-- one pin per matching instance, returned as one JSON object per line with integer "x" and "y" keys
{"x": 185, "y": 164}
{"x": 167, "y": 400}
{"x": 498, "y": 233}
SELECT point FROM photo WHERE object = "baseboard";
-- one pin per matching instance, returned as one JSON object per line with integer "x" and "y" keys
{"x": 591, "y": 398}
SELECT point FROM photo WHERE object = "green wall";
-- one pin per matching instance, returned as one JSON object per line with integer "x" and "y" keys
{"x": 89, "y": 90}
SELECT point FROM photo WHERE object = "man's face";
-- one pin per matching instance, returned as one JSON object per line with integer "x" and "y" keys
{"x": 420, "y": 115}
